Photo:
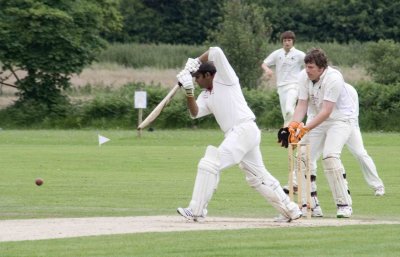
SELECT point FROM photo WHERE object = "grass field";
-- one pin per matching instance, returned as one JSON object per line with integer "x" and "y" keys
{"x": 154, "y": 174}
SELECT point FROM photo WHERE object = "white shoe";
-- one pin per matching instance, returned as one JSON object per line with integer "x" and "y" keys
{"x": 344, "y": 212}
{"x": 293, "y": 213}
{"x": 380, "y": 191}
{"x": 188, "y": 214}
{"x": 316, "y": 212}
{"x": 282, "y": 219}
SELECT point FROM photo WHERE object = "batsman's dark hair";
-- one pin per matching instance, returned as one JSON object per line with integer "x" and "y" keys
{"x": 288, "y": 34}
{"x": 317, "y": 56}
{"x": 204, "y": 68}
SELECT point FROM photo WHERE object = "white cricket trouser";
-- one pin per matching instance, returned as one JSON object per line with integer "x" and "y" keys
{"x": 242, "y": 145}
{"x": 356, "y": 147}
{"x": 327, "y": 139}
{"x": 287, "y": 99}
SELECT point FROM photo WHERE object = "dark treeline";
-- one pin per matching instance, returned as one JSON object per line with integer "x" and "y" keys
{"x": 191, "y": 21}
{"x": 164, "y": 21}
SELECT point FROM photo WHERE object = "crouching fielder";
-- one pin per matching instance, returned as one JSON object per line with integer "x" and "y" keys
{"x": 222, "y": 96}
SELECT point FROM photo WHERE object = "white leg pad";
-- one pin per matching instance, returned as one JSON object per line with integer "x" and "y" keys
{"x": 334, "y": 171}
{"x": 206, "y": 181}
{"x": 272, "y": 191}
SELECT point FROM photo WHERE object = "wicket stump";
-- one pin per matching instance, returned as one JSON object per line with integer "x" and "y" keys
{"x": 303, "y": 175}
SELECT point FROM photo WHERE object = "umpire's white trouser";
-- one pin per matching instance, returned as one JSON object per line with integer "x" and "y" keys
{"x": 287, "y": 98}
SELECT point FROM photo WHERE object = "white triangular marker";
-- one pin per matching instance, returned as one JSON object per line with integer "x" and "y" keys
{"x": 103, "y": 140}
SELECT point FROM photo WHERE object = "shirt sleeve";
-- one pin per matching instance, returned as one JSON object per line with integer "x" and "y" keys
{"x": 303, "y": 85}
{"x": 334, "y": 86}
{"x": 301, "y": 59}
{"x": 202, "y": 105}
{"x": 225, "y": 74}
{"x": 270, "y": 60}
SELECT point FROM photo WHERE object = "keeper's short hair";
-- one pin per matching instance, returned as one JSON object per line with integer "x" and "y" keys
{"x": 317, "y": 56}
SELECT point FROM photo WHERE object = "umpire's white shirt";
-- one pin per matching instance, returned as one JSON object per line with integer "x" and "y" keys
{"x": 225, "y": 101}
{"x": 330, "y": 87}
{"x": 287, "y": 66}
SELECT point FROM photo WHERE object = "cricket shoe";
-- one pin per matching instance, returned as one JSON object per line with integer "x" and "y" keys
{"x": 344, "y": 212}
{"x": 380, "y": 191}
{"x": 315, "y": 212}
{"x": 283, "y": 219}
{"x": 293, "y": 214}
{"x": 188, "y": 214}
{"x": 286, "y": 189}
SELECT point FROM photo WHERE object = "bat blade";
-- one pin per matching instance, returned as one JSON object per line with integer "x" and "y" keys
{"x": 157, "y": 110}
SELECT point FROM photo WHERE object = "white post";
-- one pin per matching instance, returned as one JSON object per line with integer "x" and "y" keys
{"x": 140, "y": 103}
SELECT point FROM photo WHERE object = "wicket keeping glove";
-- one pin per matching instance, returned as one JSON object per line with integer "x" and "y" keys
{"x": 283, "y": 137}
{"x": 192, "y": 65}
{"x": 292, "y": 128}
{"x": 301, "y": 131}
{"x": 186, "y": 81}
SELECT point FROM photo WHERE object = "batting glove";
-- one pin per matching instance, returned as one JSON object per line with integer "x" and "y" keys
{"x": 192, "y": 65}
{"x": 186, "y": 81}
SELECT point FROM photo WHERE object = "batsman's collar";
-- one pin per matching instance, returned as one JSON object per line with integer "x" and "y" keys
{"x": 205, "y": 67}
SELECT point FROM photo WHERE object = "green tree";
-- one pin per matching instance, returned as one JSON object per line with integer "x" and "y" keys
{"x": 340, "y": 21}
{"x": 49, "y": 41}
{"x": 243, "y": 34}
{"x": 383, "y": 61}
{"x": 171, "y": 22}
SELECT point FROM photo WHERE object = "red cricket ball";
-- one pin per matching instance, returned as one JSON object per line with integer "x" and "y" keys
{"x": 39, "y": 181}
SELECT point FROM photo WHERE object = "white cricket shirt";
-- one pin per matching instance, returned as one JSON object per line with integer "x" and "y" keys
{"x": 287, "y": 66}
{"x": 354, "y": 97}
{"x": 225, "y": 101}
{"x": 330, "y": 87}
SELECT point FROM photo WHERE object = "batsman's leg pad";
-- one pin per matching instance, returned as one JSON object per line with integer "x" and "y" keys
{"x": 206, "y": 181}
{"x": 334, "y": 171}
{"x": 272, "y": 191}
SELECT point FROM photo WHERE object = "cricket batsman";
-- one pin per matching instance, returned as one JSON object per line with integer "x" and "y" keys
{"x": 222, "y": 97}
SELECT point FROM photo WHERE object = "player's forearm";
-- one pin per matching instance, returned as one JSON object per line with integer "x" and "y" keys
{"x": 204, "y": 57}
{"x": 265, "y": 67}
{"x": 192, "y": 106}
{"x": 327, "y": 108}
{"x": 300, "y": 111}
{"x": 318, "y": 119}
{"x": 267, "y": 70}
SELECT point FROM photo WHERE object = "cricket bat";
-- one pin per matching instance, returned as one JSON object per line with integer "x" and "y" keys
{"x": 157, "y": 110}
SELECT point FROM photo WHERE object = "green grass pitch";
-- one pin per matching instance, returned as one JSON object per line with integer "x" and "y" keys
{"x": 154, "y": 174}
